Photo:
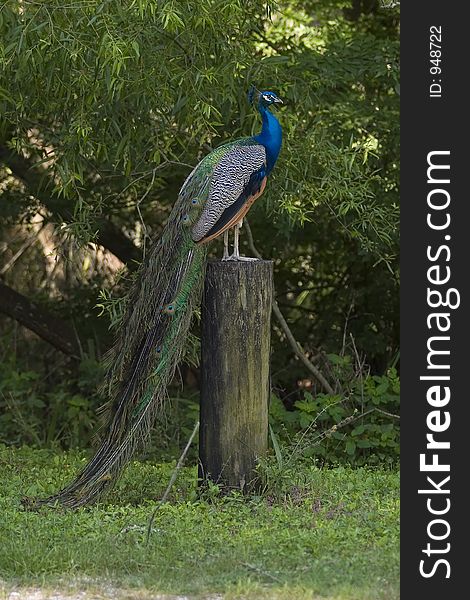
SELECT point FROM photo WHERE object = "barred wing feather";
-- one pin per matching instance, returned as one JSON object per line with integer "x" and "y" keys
{"x": 236, "y": 177}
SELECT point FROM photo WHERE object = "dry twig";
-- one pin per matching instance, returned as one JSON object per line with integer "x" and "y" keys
{"x": 172, "y": 480}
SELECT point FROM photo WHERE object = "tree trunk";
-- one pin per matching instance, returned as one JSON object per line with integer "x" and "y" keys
{"x": 236, "y": 313}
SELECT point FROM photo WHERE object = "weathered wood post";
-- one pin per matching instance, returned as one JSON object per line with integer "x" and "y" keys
{"x": 236, "y": 315}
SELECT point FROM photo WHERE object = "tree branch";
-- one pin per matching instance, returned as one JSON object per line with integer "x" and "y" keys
{"x": 296, "y": 347}
{"x": 40, "y": 186}
{"x": 47, "y": 326}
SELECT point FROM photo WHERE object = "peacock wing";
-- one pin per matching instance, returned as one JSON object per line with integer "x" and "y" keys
{"x": 237, "y": 176}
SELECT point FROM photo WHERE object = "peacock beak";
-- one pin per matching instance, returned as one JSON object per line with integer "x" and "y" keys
{"x": 278, "y": 101}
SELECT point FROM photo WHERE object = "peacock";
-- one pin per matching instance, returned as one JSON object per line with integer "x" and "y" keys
{"x": 214, "y": 199}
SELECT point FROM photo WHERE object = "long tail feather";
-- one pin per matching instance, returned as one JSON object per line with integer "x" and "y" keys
{"x": 142, "y": 363}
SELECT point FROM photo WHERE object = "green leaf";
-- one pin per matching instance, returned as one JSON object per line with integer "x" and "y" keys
{"x": 358, "y": 430}
{"x": 382, "y": 388}
{"x": 350, "y": 447}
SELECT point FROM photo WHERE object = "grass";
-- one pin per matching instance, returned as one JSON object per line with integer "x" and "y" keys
{"x": 327, "y": 534}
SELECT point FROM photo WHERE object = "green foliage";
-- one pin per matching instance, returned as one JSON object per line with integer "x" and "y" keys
{"x": 61, "y": 409}
{"x": 108, "y": 81}
{"x": 329, "y": 534}
{"x": 34, "y": 412}
{"x": 106, "y": 107}
{"x": 359, "y": 427}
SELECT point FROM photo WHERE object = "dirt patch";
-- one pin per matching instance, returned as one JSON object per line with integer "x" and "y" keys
{"x": 106, "y": 594}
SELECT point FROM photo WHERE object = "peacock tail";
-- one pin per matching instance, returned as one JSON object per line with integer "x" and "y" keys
{"x": 153, "y": 332}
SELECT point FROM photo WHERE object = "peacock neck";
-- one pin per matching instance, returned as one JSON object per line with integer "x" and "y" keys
{"x": 270, "y": 137}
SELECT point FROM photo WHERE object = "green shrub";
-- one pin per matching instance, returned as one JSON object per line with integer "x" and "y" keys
{"x": 34, "y": 412}
{"x": 360, "y": 426}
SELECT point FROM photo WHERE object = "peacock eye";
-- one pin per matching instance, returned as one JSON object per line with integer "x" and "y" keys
{"x": 169, "y": 309}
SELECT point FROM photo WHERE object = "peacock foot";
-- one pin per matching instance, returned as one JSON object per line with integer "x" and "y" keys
{"x": 236, "y": 258}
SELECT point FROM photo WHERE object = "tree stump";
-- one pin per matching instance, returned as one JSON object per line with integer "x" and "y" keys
{"x": 236, "y": 314}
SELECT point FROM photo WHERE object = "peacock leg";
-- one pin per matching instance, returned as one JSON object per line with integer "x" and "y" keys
{"x": 245, "y": 258}
{"x": 236, "y": 249}
{"x": 236, "y": 235}
{"x": 225, "y": 255}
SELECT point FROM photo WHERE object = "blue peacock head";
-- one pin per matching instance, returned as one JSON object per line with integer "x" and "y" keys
{"x": 265, "y": 98}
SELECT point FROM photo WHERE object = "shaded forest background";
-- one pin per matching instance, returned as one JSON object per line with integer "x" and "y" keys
{"x": 105, "y": 108}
